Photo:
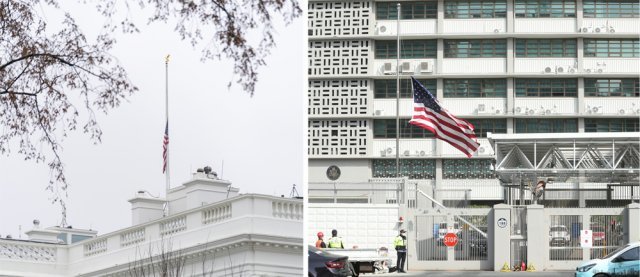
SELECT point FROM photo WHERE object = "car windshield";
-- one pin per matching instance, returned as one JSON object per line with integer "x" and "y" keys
{"x": 558, "y": 229}
{"x": 614, "y": 252}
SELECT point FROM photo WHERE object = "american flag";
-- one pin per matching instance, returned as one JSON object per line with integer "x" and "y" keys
{"x": 165, "y": 147}
{"x": 428, "y": 114}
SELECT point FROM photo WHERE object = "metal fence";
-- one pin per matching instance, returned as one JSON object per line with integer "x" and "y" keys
{"x": 356, "y": 192}
{"x": 564, "y": 237}
{"x": 430, "y": 246}
{"x": 472, "y": 240}
{"x": 607, "y": 234}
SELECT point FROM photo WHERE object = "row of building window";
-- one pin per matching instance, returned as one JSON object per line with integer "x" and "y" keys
{"x": 530, "y": 87}
{"x": 386, "y": 128}
{"x": 498, "y": 9}
{"x": 426, "y": 169}
{"x": 497, "y": 48}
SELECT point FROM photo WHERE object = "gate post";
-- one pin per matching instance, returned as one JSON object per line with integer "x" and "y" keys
{"x": 632, "y": 221}
{"x": 537, "y": 239}
{"x": 499, "y": 238}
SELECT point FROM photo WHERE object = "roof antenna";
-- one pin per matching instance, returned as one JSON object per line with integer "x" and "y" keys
{"x": 294, "y": 192}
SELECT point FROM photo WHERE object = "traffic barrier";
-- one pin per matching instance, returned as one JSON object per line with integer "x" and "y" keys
{"x": 531, "y": 268}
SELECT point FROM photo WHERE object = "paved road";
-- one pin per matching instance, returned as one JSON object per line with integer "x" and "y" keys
{"x": 476, "y": 274}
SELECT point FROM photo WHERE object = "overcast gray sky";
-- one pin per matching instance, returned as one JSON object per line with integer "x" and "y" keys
{"x": 260, "y": 139}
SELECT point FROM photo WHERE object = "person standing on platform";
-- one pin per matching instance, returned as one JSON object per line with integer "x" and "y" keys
{"x": 335, "y": 241}
{"x": 320, "y": 242}
{"x": 400, "y": 242}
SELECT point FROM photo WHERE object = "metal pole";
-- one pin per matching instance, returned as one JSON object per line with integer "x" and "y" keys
{"x": 166, "y": 99}
{"x": 398, "y": 94}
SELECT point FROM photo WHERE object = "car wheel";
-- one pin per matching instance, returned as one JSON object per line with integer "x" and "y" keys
{"x": 601, "y": 275}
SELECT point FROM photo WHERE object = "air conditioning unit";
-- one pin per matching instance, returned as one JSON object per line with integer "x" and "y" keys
{"x": 498, "y": 30}
{"x": 407, "y": 153}
{"x": 480, "y": 149}
{"x": 572, "y": 70}
{"x": 531, "y": 111}
{"x": 382, "y": 29}
{"x": 389, "y": 150}
{"x": 548, "y": 69}
{"x": 559, "y": 69}
{"x": 622, "y": 111}
{"x": 547, "y": 112}
{"x": 586, "y": 29}
{"x": 426, "y": 67}
{"x": 406, "y": 67}
{"x": 387, "y": 69}
{"x": 482, "y": 109}
{"x": 596, "y": 110}
{"x": 422, "y": 153}
{"x": 518, "y": 110}
{"x": 379, "y": 112}
{"x": 497, "y": 111}
{"x": 383, "y": 153}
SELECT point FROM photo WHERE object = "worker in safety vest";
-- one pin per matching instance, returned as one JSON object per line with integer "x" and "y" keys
{"x": 400, "y": 243}
{"x": 320, "y": 242}
{"x": 335, "y": 241}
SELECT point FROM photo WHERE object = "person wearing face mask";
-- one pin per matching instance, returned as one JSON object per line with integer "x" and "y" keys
{"x": 400, "y": 243}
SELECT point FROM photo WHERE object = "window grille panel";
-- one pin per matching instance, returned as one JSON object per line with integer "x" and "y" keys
{"x": 411, "y": 168}
{"x": 348, "y": 18}
{"x": 338, "y": 97}
{"x": 467, "y": 169}
{"x": 337, "y": 137}
{"x": 339, "y": 57}
{"x": 472, "y": 245}
{"x": 612, "y": 87}
{"x": 607, "y": 234}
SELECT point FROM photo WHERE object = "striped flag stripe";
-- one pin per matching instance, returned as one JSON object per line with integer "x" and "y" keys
{"x": 455, "y": 143}
{"x": 459, "y": 138}
{"x": 469, "y": 133}
{"x": 165, "y": 147}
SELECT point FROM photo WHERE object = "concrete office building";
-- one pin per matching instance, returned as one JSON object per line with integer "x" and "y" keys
{"x": 522, "y": 70}
{"x": 509, "y": 67}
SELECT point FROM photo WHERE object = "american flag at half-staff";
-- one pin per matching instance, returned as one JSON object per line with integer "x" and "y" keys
{"x": 428, "y": 114}
{"x": 165, "y": 148}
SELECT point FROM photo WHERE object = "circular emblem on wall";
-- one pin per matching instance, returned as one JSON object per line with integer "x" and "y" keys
{"x": 333, "y": 173}
{"x": 502, "y": 222}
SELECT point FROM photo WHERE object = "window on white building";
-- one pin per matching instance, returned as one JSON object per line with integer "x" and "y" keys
{"x": 556, "y": 87}
{"x": 545, "y": 8}
{"x": 603, "y": 125}
{"x": 408, "y": 10}
{"x": 475, "y": 88}
{"x": 475, "y": 48}
{"x": 475, "y": 9}
{"x": 546, "y": 48}
{"x": 542, "y": 125}
{"x": 625, "y": 48}
{"x": 610, "y": 8}
{"x": 484, "y": 126}
{"x": 387, "y": 88}
{"x": 409, "y": 49}
{"x": 612, "y": 87}
{"x": 386, "y": 128}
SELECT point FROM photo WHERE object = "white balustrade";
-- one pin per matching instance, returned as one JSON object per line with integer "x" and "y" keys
{"x": 132, "y": 237}
{"x": 216, "y": 214}
{"x": 172, "y": 226}
{"x": 288, "y": 210}
{"x": 94, "y": 247}
{"x": 20, "y": 252}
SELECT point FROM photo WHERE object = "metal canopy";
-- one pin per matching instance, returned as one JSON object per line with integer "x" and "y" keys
{"x": 568, "y": 157}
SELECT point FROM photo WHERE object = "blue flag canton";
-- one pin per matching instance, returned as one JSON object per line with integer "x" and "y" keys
{"x": 422, "y": 95}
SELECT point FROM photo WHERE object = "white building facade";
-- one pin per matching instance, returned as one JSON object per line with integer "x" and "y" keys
{"x": 210, "y": 230}
{"x": 507, "y": 66}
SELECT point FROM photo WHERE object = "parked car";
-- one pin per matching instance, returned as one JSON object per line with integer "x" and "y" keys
{"x": 598, "y": 234}
{"x": 559, "y": 235}
{"x": 322, "y": 263}
{"x": 624, "y": 261}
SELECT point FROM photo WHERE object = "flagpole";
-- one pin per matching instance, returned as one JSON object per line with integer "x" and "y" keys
{"x": 166, "y": 101}
{"x": 398, "y": 94}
